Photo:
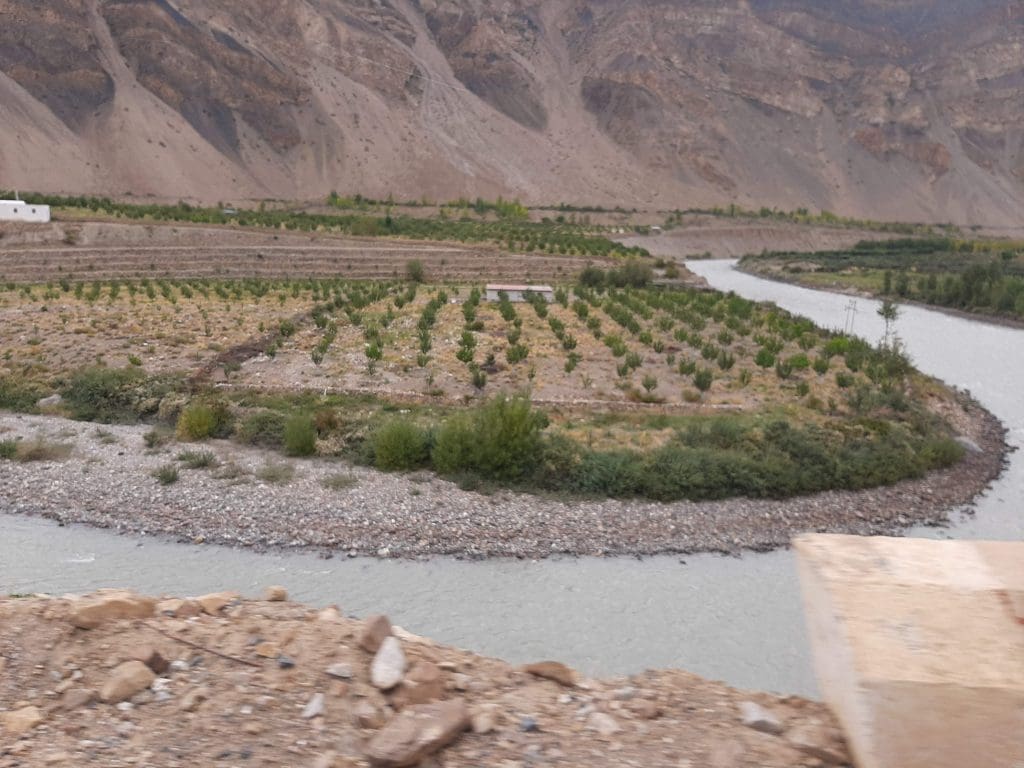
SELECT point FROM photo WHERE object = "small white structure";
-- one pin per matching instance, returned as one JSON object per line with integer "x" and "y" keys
{"x": 518, "y": 293}
{"x": 19, "y": 210}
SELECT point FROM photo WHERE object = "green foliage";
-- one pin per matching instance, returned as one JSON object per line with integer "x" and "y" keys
{"x": 204, "y": 419}
{"x": 414, "y": 271}
{"x": 764, "y": 358}
{"x": 8, "y": 449}
{"x": 19, "y": 395}
{"x": 300, "y": 435}
{"x": 107, "y": 395}
{"x": 167, "y": 474}
{"x": 400, "y": 445}
{"x": 264, "y": 428}
{"x": 703, "y": 378}
{"x": 500, "y": 440}
{"x": 198, "y": 459}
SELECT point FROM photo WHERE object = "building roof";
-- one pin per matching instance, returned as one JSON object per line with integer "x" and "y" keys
{"x": 521, "y": 288}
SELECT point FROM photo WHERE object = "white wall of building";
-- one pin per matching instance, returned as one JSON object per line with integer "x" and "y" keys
{"x": 17, "y": 210}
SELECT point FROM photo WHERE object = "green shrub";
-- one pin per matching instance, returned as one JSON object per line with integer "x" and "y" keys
{"x": 19, "y": 395}
{"x": 276, "y": 473}
{"x": 262, "y": 428}
{"x": 204, "y": 419}
{"x": 765, "y": 358}
{"x": 414, "y": 271}
{"x": 300, "y": 435}
{"x": 501, "y": 440}
{"x": 107, "y": 395}
{"x": 198, "y": 459}
{"x": 400, "y": 445}
{"x": 167, "y": 474}
{"x": 702, "y": 379}
{"x": 8, "y": 449}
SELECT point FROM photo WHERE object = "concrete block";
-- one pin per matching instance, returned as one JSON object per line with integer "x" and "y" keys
{"x": 919, "y": 647}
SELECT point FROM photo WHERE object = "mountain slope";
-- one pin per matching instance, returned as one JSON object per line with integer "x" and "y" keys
{"x": 884, "y": 108}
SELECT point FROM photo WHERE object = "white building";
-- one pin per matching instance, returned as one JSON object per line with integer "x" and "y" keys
{"x": 517, "y": 292}
{"x": 19, "y": 210}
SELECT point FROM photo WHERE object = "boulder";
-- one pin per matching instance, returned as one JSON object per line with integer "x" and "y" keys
{"x": 340, "y": 671}
{"x": 214, "y": 603}
{"x": 389, "y": 665}
{"x": 314, "y": 707}
{"x": 76, "y": 698}
{"x": 753, "y": 715}
{"x": 416, "y": 733}
{"x": 603, "y": 723}
{"x": 818, "y": 740}
{"x": 366, "y": 715}
{"x": 180, "y": 609}
{"x": 21, "y": 721}
{"x": 90, "y": 612}
{"x": 275, "y": 594}
{"x": 553, "y": 670}
{"x": 423, "y": 684}
{"x": 375, "y": 630}
{"x": 125, "y": 681}
{"x": 52, "y": 401}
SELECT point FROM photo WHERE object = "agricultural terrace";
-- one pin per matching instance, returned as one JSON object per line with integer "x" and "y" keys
{"x": 630, "y": 391}
{"x": 979, "y": 276}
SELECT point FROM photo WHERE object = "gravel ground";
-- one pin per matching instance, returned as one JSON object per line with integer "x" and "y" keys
{"x": 278, "y": 684}
{"x": 107, "y": 482}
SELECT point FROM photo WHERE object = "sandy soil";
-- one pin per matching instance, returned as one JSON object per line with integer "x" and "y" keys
{"x": 280, "y": 684}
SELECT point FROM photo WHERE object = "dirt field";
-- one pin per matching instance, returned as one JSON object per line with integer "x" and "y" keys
{"x": 103, "y": 251}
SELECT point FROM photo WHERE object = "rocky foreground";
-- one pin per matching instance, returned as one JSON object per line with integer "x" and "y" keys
{"x": 117, "y": 679}
{"x": 246, "y": 497}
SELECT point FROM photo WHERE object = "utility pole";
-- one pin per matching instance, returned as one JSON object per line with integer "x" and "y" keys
{"x": 851, "y": 317}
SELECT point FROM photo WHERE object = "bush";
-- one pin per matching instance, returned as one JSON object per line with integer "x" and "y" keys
{"x": 262, "y": 428}
{"x": 166, "y": 475}
{"x": 400, "y": 445}
{"x": 19, "y": 395}
{"x": 501, "y": 440}
{"x": 340, "y": 481}
{"x": 276, "y": 474}
{"x": 414, "y": 271}
{"x": 300, "y": 435}
{"x": 107, "y": 395}
{"x": 202, "y": 420}
{"x": 198, "y": 459}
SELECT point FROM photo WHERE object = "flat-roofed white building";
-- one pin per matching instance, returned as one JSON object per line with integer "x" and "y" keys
{"x": 517, "y": 292}
{"x": 19, "y": 210}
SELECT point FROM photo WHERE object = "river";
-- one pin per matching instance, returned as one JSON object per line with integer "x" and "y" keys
{"x": 736, "y": 619}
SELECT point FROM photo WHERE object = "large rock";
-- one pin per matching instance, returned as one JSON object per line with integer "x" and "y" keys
{"x": 125, "y": 681}
{"x": 423, "y": 683}
{"x": 388, "y": 667}
{"x": 90, "y": 612}
{"x": 21, "y": 721}
{"x": 753, "y": 715}
{"x": 375, "y": 630}
{"x": 552, "y": 670}
{"x": 215, "y": 602}
{"x": 919, "y": 647}
{"x": 418, "y": 732}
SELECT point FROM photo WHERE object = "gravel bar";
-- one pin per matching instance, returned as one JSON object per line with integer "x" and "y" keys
{"x": 107, "y": 482}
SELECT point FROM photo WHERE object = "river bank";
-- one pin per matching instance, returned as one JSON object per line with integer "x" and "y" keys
{"x": 117, "y": 679}
{"x": 778, "y": 276}
{"x": 247, "y": 497}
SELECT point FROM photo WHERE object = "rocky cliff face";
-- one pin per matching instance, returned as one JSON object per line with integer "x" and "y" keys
{"x": 883, "y": 108}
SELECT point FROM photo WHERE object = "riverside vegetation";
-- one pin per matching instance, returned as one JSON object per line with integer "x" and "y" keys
{"x": 665, "y": 394}
{"x": 979, "y": 276}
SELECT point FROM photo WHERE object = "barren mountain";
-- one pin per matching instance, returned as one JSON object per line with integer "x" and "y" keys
{"x": 906, "y": 109}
